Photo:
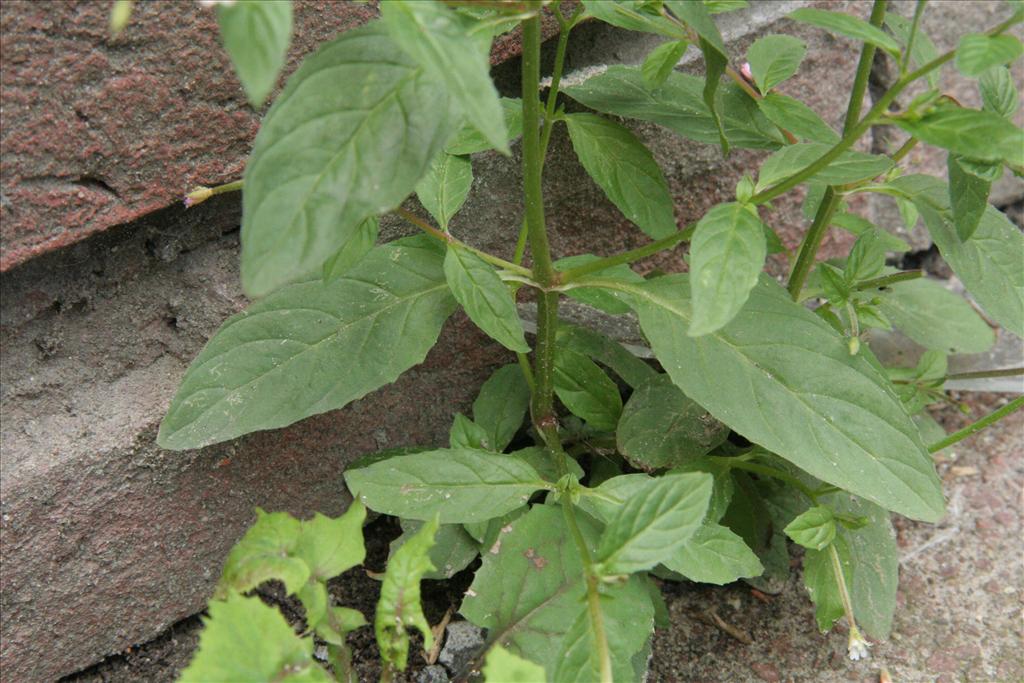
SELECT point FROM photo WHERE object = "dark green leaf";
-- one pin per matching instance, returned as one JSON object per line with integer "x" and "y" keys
{"x": 661, "y": 427}
{"x": 487, "y": 300}
{"x": 399, "y": 606}
{"x": 443, "y": 190}
{"x": 715, "y": 63}
{"x": 714, "y": 554}
{"x": 265, "y": 552}
{"x": 654, "y": 523}
{"x": 245, "y": 640}
{"x": 814, "y": 528}
{"x": 543, "y": 461}
{"x": 452, "y": 551}
{"x": 256, "y": 34}
{"x": 438, "y": 39}
{"x": 968, "y": 196}
{"x": 848, "y": 168}
{"x": 849, "y": 26}
{"x": 858, "y": 226}
{"x": 726, "y": 255}
{"x": 796, "y": 117}
{"x": 978, "y": 52}
{"x": 501, "y": 405}
{"x": 606, "y": 351}
{"x": 773, "y": 59}
{"x": 312, "y": 347}
{"x": 723, "y": 489}
{"x": 462, "y": 485}
{"x": 998, "y": 92}
{"x": 598, "y": 298}
{"x": 679, "y": 106}
{"x": 626, "y": 171}
{"x": 661, "y": 61}
{"x": 633, "y": 16}
{"x": 974, "y": 134}
{"x": 322, "y": 163}
{"x": 465, "y": 433}
{"x": 470, "y": 141}
{"x": 353, "y": 251}
{"x": 586, "y": 390}
{"x": 988, "y": 264}
{"x": 777, "y": 373}
{"x": 698, "y": 18}
{"x": 504, "y": 667}
{"x": 935, "y": 317}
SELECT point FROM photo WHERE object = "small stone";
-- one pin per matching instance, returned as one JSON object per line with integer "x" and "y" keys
{"x": 766, "y": 672}
{"x": 435, "y": 673}
{"x": 461, "y": 643}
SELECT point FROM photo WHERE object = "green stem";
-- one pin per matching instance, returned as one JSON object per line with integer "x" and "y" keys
{"x": 860, "y": 81}
{"x": 985, "y": 374}
{"x": 202, "y": 193}
{"x": 970, "y": 429}
{"x": 844, "y": 594}
{"x": 812, "y": 241}
{"x": 449, "y": 239}
{"x": 914, "y": 27}
{"x": 629, "y": 256}
{"x": 886, "y": 280}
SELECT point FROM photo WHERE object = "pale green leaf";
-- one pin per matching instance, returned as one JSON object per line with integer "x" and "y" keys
{"x": 814, "y": 528}
{"x": 452, "y": 551}
{"x": 504, "y": 667}
{"x": 661, "y": 427}
{"x": 866, "y": 259}
{"x": 858, "y": 226}
{"x": 337, "y": 623}
{"x": 655, "y": 522}
{"x": 727, "y": 253}
{"x": 849, "y": 26}
{"x": 714, "y": 554}
{"x": 721, "y": 6}
{"x": 332, "y": 546}
{"x": 547, "y": 467}
{"x": 660, "y": 62}
{"x": 488, "y": 302}
{"x": 978, "y": 52}
{"x": 443, "y": 190}
{"x": 820, "y": 581}
{"x": 470, "y": 141}
{"x": 975, "y": 134}
{"x": 990, "y": 264}
{"x": 678, "y": 105}
{"x": 773, "y": 59}
{"x": 968, "y": 195}
{"x": 620, "y": 164}
{"x": 265, "y": 552}
{"x": 998, "y": 91}
{"x": 462, "y": 485}
{"x": 244, "y": 640}
{"x": 313, "y": 596}
{"x": 935, "y": 317}
{"x": 256, "y": 34}
{"x": 783, "y": 378}
{"x": 604, "y": 502}
{"x": 353, "y": 251}
{"x": 796, "y": 117}
{"x": 312, "y": 347}
{"x": 633, "y": 16}
{"x": 849, "y": 167}
{"x": 586, "y": 390}
{"x": 465, "y": 433}
{"x": 501, "y": 405}
{"x": 923, "y": 49}
{"x": 399, "y": 606}
{"x": 327, "y": 157}
{"x": 438, "y": 39}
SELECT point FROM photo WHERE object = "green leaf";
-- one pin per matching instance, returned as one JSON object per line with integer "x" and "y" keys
{"x": 679, "y": 106}
{"x": 501, "y": 405}
{"x": 661, "y": 427}
{"x": 504, "y": 667}
{"x": 244, "y": 640}
{"x": 820, "y": 581}
{"x": 654, "y": 523}
{"x": 858, "y": 226}
{"x": 464, "y": 433}
{"x": 399, "y": 605}
{"x": 848, "y": 168}
{"x": 452, "y": 551}
{"x": 439, "y": 40}
{"x": 796, "y": 117}
{"x": 723, "y": 489}
{"x": 256, "y": 34}
{"x": 598, "y": 298}
{"x": 998, "y": 92}
{"x": 487, "y": 300}
{"x": 586, "y": 390}
{"x": 322, "y": 163}
{"x": 988, "y": 264}
{"x": 866, "y": 259}
{"x": 720, "y": 6}
{"x": 470, "y": 141}
{"x": 660, "y": 62}
{"x": 338, "y": 622}
{"x": 330, "y": 547}
{"x": 814, "y": 529}
{"x": 922, "y": 51}
{"x": 978, "y": 52}
{"x": 774, "y": 59}
{"x": 621, "y": 166}
{"x": 715, "y": 63}
{"x": 353, "y": 251}
{"x": 443, "y": 190}
{"x": 627, "y": 616}
{"x": 935, "y": 317}
{"x": 606, "y": 351}
{"x": 606, "y": 501}
{"x": 265, "y": 552}
{"x": 726, "y": 255}
{"x": 312, "y": 347}
{"x": 849, "y": 26}
{"x": 968, "y": 196}
{"x": 781, "y": 377}
{"x": 523, "y": 593}
{"x": 633, "y": 16}
{"x": 714, "y": 554}
{"x": 975, "y": 134}
{"x": 541, "y": 460}
{"x": 462, "y": 485}
{"x": 698, "y": 18}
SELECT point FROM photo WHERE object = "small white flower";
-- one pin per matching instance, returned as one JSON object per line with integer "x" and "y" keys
{"x": 858, "y": 647}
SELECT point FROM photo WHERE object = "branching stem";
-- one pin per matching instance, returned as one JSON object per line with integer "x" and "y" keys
{"x": 975, "y": 427}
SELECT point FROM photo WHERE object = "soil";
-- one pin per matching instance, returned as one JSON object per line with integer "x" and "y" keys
{"x": 961, "y": 596}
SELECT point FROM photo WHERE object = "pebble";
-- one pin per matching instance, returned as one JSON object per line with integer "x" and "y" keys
{"x": 461, "y": 643}
{"x": 435, "y": 673}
